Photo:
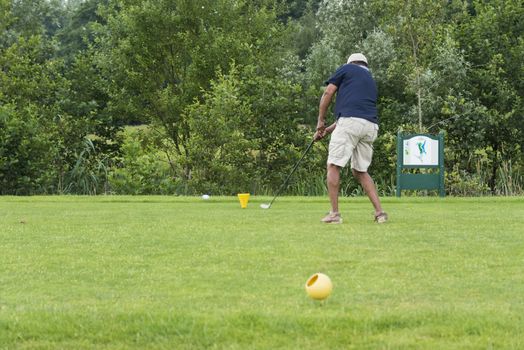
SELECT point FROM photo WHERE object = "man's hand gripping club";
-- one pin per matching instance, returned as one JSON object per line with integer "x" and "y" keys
{"x": 325, "y": 101}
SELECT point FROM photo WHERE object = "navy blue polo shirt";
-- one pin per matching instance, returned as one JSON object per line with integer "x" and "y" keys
{"x": 356, "y": 93}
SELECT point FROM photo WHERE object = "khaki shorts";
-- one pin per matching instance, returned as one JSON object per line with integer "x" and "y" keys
{"x": 352, "y": 139}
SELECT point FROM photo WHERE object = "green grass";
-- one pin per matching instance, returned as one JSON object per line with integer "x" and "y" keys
{"x": 183, "y": 273}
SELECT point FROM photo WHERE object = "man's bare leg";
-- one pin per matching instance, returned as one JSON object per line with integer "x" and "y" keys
{"x": 369, "y": 187}
{"x": 333, "y": 184}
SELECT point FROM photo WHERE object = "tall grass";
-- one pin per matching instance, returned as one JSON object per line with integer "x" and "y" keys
{"x": 88, "y": 174}
{"x": 510, "y": 181}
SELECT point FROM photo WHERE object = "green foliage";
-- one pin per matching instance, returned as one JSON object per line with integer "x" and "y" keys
{"x": 29, "y": 84}
{"x": 26, "y": 152}
{"x": 5, "y": 19}
{"x": 154, "y": 81}
{"x": 239, "y": 139}
{"x": 31, "y": 17}
{"x": 59, "y": 106}
{"x": 222, "y": 158}
{"x": 235, "y": 84}
{"x": 383, "y": 167}
{"x": 492, "y": 41}
{"x": 143, "y": 168}
{"x": 304, "y": 29}
{"x": 460, "y": 183}
{"x": 79, "y": 32}
{"x": 510, "y": 179}
{"x": 88, "y": 175}
{"x": 436, "y": 64}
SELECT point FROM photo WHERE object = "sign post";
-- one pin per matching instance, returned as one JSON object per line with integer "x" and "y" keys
{"x": 416, "y": 151}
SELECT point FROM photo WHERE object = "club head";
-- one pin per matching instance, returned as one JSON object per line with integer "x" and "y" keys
{"x": 265, "y": 206}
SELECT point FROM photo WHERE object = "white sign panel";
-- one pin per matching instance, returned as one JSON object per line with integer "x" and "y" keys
{"x": 420, "y": 150}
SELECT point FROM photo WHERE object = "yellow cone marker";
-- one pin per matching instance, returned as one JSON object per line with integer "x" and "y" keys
{"x": 319, "y": 286}
{"x": 243, "y": 198}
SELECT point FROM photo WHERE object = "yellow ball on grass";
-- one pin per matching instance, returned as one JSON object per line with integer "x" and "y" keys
{"x": 319, "y": 286}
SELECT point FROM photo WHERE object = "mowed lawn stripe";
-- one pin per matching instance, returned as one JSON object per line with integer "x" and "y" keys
{"x": 182, "y": 272}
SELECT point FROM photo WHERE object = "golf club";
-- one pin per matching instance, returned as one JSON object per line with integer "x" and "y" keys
{"x": 267, "y": 206}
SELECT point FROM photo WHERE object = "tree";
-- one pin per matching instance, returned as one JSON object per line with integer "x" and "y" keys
{"x": 35, "y": 17}
{"x": 48, "y": 110}
{"x": 491, "y": 36}
{"x": 222, "y": 157}
{"x": 417, "y": 27}
{"x": 28, "y": 87}
{"x": 78, "y": 31}
{"x": 162, "y": 55}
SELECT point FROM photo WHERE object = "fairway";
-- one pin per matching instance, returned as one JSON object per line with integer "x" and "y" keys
{"x": 186, "y": 273}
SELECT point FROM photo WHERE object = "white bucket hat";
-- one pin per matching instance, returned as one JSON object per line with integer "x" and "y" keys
{"x": 357, "y": 57}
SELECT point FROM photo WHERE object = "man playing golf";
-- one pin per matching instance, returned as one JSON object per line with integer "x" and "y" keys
{"x": 354, "y": 131}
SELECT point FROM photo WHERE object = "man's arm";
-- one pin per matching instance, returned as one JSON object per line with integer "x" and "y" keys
{"x": 325, "y": 101}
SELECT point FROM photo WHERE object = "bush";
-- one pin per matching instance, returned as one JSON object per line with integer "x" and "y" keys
{"x": 26, "y": 152}
{"x": 460, "y": 183}
{"x": 142, "y": 168}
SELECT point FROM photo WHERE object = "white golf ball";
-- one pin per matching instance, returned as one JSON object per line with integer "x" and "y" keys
{"x": 205, "y": 196}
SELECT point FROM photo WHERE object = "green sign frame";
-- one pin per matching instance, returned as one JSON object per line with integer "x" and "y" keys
{"x": 407, "y": 146}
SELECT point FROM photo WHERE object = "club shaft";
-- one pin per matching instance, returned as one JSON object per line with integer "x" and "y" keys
{"x": 292, "y": 172}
